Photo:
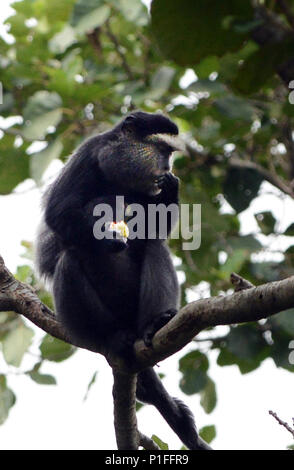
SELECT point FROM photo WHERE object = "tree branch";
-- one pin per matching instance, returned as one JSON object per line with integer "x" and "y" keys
{"x": 119, "y": 51}
{"x": 21, "y": 298}
{"x": 269, "y": 176}
{"x": 240, "y": 283}
{"x": 282, "y": 423}
{"x": 246, "y": 305}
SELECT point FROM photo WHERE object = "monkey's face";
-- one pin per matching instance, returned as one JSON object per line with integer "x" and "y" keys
{"x": 138, "y": 152}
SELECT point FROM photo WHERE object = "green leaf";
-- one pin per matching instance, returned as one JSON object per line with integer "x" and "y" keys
{"x": 83, "y": 8}
{"x": 241, "y": 186}
{"x": 160, "y": 82}
{"x": 245, "y": 242}
{"x": 15, "y": 343}
{"x": 24, "y": 274}
{"x": 245, "y": 342}
{"x": 7, "y": 399}
{"x": 95, "y": 19}
{"x": 17, "y": 25}
{"x": 290, "y": 231}
{"x": 40, "y": 161}
{"x": 285, "y": 321}
{"x": 54, "y": 349}
{"x": 266, "y": 222}
{"x": 42, "y": 379}
{"x": 42, "y": 110}
{"x": 133, "y": 10}
{"x": 191, "y": 30}
{"x": 208, "y": 433}
{"x": 62, "y": 40}
{"x": 260, "y": 66}
{"x": 162, "y": 445}
{"x": 213, "y": 87}
{"x": 245, "y": 347}
{"x": 280, "y": 351}
{"x": 207, "y": 66}
{"x": 88, "y": 15}
{"x": 139, "y": 405}
{"x": 234, "y": 263}
{"x": 267, "y": 271}
{"x": 14, "y": 164}
{"x": 233, "y": 107}
{"x": 193, "y": 367}
{"x": 208, "y": 397}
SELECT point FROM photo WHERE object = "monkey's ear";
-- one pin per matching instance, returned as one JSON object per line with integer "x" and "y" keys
{"x": 129, "y": 123}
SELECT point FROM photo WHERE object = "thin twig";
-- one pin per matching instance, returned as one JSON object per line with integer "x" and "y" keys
{"x": 118, "y": 49}
{"x": 240, "y": 283}
{"x": 282, "y": 423}
{"x": 147, "y": 443}
{"x": 269, "y": 176}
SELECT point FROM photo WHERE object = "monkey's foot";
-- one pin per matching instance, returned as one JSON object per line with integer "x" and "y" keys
{"x": 157, "y": 324}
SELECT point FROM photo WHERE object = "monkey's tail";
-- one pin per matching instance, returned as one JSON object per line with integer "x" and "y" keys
{"x": 176, "y": 413}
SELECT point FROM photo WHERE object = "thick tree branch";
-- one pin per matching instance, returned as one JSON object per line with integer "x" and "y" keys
{"x": 246, "y": 305}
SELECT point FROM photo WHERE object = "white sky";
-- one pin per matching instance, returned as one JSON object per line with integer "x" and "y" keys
{"x": 55, "y": 417}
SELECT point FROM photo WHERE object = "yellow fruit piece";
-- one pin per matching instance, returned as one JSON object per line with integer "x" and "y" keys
{"x": 120, "y": 227}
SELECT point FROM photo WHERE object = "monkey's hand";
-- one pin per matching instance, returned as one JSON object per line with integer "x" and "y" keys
{"x": 169, "y": 185}
{"x": 156, "y": 324}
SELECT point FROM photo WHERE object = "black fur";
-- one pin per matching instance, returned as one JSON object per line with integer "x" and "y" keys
{"x": 111, "y": 292}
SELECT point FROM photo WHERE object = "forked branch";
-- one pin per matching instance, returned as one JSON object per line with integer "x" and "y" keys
{"x": 247, "y": 304}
